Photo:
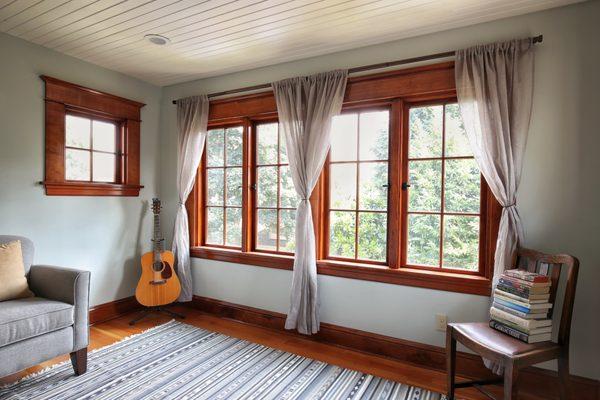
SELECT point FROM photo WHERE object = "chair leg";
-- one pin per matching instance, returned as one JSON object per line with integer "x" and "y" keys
{"x": 563, "y": 375}
{"x": 450, "y": 363}
{"x": 79, "y": 361}
{"x": 511, "y": 375}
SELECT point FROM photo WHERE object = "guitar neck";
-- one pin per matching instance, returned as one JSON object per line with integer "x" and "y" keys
{"x": 157, "y": 239}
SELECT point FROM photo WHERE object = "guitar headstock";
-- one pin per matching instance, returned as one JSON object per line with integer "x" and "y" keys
{"x": 156, "y": 206}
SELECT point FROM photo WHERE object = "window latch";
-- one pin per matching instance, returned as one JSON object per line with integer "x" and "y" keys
{"x": 405, "y": 185}
{"x": 253, "y": 186}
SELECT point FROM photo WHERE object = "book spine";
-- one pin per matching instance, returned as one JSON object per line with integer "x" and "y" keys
{"x": 527, "y": 277}
{"x": 512, "y": 305}
{"x": 510, "y": 310}
{"x": 509, "y": 331}
{"x": 511, "y": 282}
{"x": 513, "y": 319}
{"x": 521, "y": 292}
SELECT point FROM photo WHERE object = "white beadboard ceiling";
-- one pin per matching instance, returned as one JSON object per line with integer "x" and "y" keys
{"x": 214, "y": 37}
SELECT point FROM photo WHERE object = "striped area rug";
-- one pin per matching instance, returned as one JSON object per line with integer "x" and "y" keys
{"x": 180, "y": 361}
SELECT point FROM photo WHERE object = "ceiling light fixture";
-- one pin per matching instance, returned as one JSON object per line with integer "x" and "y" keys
{"x": 158, "y": 40}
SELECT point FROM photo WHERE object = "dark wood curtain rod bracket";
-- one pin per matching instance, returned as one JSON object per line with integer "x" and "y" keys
{"x": 535, "y": 39}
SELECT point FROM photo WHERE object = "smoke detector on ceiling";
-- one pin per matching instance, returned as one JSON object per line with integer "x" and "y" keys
{"x": 158, "y": 40}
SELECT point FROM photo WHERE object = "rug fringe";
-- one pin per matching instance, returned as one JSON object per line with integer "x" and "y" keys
{"x": 60, "y": 364}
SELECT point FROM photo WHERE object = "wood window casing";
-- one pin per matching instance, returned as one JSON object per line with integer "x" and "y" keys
{"x": 394, "y": 91}
{"x": 64, "y": 98}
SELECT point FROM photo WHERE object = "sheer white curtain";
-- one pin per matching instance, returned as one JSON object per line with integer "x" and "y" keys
{"x": 306, "y": 106}
{"x": 494, "y": 84}
{"x": 192, "y": 120}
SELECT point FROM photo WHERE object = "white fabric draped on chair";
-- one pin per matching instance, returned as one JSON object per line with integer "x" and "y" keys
{"x": 494, "y": 85}
{"x": 192, "y": 120}
{"x": 306, "y": 106}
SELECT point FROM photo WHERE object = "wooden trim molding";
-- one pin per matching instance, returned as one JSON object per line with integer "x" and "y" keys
{"x": 113, "y": 309}
{"x": 448, "y": 281}
{"x": 536, "y": 381}
{"x": 64, "y": 98}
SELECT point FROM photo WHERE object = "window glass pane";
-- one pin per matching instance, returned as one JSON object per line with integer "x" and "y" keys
{"x": 344, "y": 137}
{"x": 234, "y": 226}
{"x": 104, "y": 167}
{"x": 372, "y": 236}
{"x": 233, "y": 145}
{"x": 289, "y": 198}
{"x": 457, "y": 143}
{"x": 77, "y": 165}
{"x": 215, "y": 187}
{"x": 462, "y": 186}
{"x": 77, "y": 132}
{"x": 374, "y": 135}
{"x": 461, "y": 242}
{"x": 234, "y": 186}
{"x": 287, "y": 230}
{"x": 267, "y": 186}
{"x": 425, "y": 179}
{"x": 343, "y": 186}
{"x": 266, "y": 147}
{"x": 266, "y": 231}
{"x": 373, "y": 193}
{"x": 342, "y": 233}
{"x": 215, "y": 147}
{"x": 214, "y": 225}
{"x": 423, "y": 240}
{"x": 283, "y": 158}
{"x": 104, "y": 136}
{"x": 425, "y": 132}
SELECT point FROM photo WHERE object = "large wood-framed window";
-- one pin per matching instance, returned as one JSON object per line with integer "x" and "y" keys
{"x": 92, "y": 142}
{"x": 400, "y": 199}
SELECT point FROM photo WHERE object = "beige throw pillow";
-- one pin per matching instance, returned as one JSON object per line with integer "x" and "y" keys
{"x": 13, "y": 284}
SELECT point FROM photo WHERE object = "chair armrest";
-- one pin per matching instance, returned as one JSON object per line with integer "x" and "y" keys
{"x": 70, "y": 286}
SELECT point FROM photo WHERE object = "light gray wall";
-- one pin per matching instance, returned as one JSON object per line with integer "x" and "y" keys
{"x": 559, "y": 196}
{"x": 102, "y": 234}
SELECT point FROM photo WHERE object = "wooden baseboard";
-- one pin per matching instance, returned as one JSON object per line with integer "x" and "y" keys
{"x": 536, "y": 381}
{"x": 113, "y": 309}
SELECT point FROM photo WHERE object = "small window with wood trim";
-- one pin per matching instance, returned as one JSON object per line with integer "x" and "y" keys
{"x": 92, "y": 142}
{"x": 91, "y": 149}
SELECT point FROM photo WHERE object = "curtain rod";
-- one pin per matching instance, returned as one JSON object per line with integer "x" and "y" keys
{"x": 535, "y": 39}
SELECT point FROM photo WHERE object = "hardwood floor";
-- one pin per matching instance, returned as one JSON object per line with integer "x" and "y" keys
{"x": 106, "y": 333}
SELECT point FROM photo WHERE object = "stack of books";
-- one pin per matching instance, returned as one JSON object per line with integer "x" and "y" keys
{"x": 521, "y": 305}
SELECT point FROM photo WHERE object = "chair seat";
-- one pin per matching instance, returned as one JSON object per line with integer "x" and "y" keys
{"x": 498, "y": 342}
{"x": 26, "y": 318}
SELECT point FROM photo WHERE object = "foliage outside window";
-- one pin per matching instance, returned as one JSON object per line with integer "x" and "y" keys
{"x": 444, "y": 196}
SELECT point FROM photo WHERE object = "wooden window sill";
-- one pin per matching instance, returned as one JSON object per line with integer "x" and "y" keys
{"x": 447, "y": 281}
{"x": 90, "y": 189}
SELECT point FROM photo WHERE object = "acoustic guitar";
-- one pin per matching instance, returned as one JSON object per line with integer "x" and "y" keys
{"x": 158, "y": 284}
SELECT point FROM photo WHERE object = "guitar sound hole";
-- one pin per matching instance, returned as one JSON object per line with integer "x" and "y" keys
{"x": 157, "y": 266}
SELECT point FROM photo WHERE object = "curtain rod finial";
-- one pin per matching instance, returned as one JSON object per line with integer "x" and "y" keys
{"x": 538, "y": 39}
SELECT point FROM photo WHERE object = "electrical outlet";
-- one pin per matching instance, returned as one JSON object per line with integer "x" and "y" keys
{"x": 441, "y": 320}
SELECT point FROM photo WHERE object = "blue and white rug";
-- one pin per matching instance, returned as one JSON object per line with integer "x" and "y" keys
{"x": 180, "y": 361}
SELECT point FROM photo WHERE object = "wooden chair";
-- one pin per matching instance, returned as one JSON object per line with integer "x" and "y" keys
{"x": 511, "y": 353}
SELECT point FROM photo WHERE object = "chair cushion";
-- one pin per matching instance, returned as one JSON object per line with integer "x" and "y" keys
{"x": 481, "y": 333}
{"x": 25, "y": 318}
{"x": 12, "y": 272}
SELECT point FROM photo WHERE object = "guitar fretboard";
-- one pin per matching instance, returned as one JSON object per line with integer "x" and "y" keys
{"x": 157, "y": 240}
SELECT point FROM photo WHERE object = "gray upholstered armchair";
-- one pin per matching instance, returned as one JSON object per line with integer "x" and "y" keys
{"x": 52, "y": 323}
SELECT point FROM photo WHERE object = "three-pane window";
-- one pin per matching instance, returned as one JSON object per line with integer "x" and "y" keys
{"x": 91, "y": 149}
{"x": 433, "y": 218}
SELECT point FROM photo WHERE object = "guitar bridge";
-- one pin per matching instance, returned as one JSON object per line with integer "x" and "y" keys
{"x": 161, "y": 282}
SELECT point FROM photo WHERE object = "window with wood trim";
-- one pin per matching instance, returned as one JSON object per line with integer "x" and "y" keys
{"x": 224, "y": 162}
{"x": 92, "y": 142}
{"x": 275, "y": 198}
{"x": 358, "y": 186}
{"x": 400, "y": 198}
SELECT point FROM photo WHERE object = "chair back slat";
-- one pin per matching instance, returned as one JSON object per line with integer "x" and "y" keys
{"x": 554, "y": 266}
